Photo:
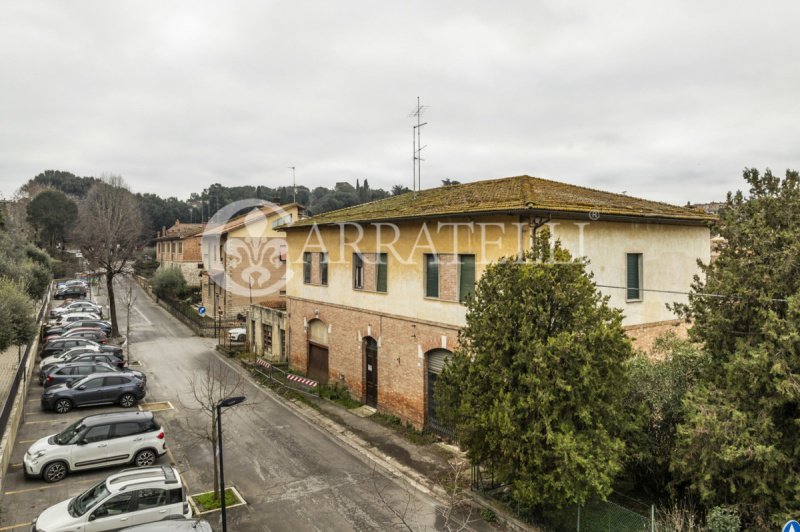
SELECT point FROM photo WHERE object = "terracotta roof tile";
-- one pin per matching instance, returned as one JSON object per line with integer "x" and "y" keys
{"x": 520, "y": 193}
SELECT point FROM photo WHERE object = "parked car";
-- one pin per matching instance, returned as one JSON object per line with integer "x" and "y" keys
{"x": 95, "y": 389}
{"x": 180, "y": 524}
{"x": 238, "y": 334}
{"x": 70, "y": 292}
{"x": 59, "y": 344}
{"x": 104, "y": 326}
{"x": 140, "y": 495}
{"x": 79, "y": 367}
{"x": 97, "y": 441}
{"x": 95, "y": 335}
{"x": 47, "y": 365}
{"x": 101, "y": 349}
{"x": 77, "y": 306}
{"x": 69, "y": 317}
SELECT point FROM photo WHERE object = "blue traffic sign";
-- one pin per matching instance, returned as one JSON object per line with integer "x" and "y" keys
{"x": 202, "y": 312}
{"x": 791, "y": 526}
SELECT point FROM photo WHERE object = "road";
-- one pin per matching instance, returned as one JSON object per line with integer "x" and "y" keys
{"x": 293, "y": 475}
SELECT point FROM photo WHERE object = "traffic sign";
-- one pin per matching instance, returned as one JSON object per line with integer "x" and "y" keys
{"x": 791, "y": 526}
{"x": 202, "y": 311}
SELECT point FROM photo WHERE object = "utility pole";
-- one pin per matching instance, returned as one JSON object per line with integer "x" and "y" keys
{"x": 294, "y": 186}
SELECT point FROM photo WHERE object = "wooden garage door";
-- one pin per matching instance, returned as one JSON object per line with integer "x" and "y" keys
{"x": 318, "y": 363}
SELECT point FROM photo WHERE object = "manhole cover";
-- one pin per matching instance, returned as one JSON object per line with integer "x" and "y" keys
{"x": 155, "y": 407}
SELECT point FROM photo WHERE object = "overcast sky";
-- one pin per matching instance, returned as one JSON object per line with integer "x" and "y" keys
{"x": 667, "y": 100}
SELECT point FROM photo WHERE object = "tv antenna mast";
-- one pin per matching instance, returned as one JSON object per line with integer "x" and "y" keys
{"x": 417, "y": 149}
{"x": 294, "y": 186}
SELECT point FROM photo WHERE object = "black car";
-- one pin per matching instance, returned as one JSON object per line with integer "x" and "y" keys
{"x": 70, "y": 292}
{"x": 90, "y": 356}
{"x": 96, "y": 389}
{"x": 56, "y": 346}
{"x": 77, "y": 369}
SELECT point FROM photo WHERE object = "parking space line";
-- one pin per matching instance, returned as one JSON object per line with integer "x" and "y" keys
{"x": 26, "y": 441}
{"x": 11, "y": 527}
{"x": 41, "y": 421}
{"x": 50, "y": 486}
{"x": 16, "y": 465}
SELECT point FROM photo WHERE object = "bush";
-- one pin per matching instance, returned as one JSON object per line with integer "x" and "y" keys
{"x": 721, "y": 519}
{"x": 169, "y": 283}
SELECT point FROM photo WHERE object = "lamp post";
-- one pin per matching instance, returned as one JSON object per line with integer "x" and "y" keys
{"x": 229, "y": 401}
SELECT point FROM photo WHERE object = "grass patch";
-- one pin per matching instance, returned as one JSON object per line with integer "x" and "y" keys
{"x": 338, "y": 394}
{"x": 207, "y": 501}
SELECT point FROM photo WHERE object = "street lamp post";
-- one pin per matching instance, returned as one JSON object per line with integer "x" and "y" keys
{"x": 229, "y": 401}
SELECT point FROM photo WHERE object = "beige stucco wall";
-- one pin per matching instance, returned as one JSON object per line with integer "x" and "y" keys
{"x": 670, "y": 253}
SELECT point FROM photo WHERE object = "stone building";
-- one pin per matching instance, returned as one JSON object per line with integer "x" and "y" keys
{"x": 179, "y": 247}
{"x": 375, "y": 291}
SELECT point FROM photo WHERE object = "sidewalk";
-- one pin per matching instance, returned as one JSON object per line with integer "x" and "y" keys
{"x": 8, "y": 368}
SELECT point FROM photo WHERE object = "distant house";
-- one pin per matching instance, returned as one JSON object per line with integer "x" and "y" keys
{"x": 245, "y": 260}
{"x": 179, "y": 247}
{"x": 375, "y": 292}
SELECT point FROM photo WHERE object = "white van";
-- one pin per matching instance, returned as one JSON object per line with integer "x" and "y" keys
{"x": 131, "y": 497}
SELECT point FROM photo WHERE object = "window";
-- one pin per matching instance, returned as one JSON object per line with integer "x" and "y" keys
{"x": 307, "y": 267}
{"x": 98, "y": 433}
{"x": 129, "y": 428}
{"x": 323, "y": 268}
{"x": 115, "y": 506}
{"x": 358, "y": 271}
{"x": 115, "y": 381}
{"x": 431, "y": 275}
{"x": 634, "y": 277}
{"x": 267, "y": 330}
{"x": 382, "y": 272}
{"x": 466, "y": 276}
{"x": 283, "y": 344}
{"x": 92, "y": 384}
{"x": 151, "y": 498}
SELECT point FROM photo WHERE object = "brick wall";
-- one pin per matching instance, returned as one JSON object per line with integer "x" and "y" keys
{"x": 402, "y": 345}
{"x": 644, "y": 336}
{"x": 448, "y": 277}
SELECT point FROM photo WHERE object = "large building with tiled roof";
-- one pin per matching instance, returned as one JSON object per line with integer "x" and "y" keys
{"x": 375, "y": 291}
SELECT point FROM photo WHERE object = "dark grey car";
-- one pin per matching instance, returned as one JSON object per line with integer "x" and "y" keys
{"x": 73, "y": 371}
{"x": 88, "y": 356}
{"x": 96, "y": 389}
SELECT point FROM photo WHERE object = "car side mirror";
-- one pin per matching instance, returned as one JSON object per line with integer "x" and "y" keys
{"x": 92, "y": 517}
{"x": 82, "y": 441}
{"x": 82, "y": 387}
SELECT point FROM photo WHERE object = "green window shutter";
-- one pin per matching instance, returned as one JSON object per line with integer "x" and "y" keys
{"x": 380, "y": 285}
{"x": 466, "y": 276}
{"x": 323, "y": 266}
{"x": 306, "y": 267}
{"x": 431, "y": 275}
{"x": 634, "y": 276}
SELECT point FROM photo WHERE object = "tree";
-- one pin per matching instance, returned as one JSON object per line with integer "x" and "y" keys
{"x": 740, "y": 444}
{"x": 169, "y": 283}
{"x": 17, "y": 323}
{"x": 52, "y": 214}
{"x": 109, "y": 233}
{"x": 209, "y": 388}
{"x": 538, "y": 385}
{"x": 449, "y": 182}
{"x": 399, "y": 189}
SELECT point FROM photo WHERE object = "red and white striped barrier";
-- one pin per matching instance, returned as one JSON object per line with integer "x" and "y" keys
{"x": 302, "y": 380}
{"x": 263, "y": 363}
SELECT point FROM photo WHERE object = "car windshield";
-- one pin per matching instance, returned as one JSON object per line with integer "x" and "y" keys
{"x": 70, "y": 433}
{"x": 86, "y": 500}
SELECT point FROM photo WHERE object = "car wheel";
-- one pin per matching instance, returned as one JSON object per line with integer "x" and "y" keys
{"x": 241, "y": 338}
{"x": 63, "y": 406}
{"x": 144, "y": 458}
{"x": 127, "y": 400}
{"x": 54, "y": 472}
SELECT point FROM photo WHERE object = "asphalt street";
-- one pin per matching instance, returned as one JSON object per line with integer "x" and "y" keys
{"x": 293, "y": 475}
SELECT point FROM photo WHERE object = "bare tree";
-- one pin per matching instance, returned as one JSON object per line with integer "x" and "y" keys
{"x": 109, "y": 233}
{"x": 128, "y": 299}
{"x": 208, "y": 389}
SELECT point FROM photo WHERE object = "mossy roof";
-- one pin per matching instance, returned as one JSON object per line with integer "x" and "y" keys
{"x": 511, "y": 194}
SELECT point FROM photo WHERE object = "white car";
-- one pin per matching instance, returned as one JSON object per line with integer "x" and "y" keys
{"x": 97, "y": 441}
{"x": 77, "y": 306}
{"x": 238, "y": 334}
{"x": 69, "y": 317}
{"x": 131, "y": 497}
{"x": 56, "y": 359}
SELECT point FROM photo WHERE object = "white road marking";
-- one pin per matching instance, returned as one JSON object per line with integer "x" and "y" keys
{"x": 142, "y": 315}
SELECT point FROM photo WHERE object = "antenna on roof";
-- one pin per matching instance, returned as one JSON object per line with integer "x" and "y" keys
{"x": 415, "y": 138}
{"x": 294, "y": 186}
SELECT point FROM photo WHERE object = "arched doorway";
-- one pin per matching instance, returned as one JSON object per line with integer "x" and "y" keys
{"x": 436, "y": 361}
{"x": 318, "y": 351}
{"x": 371, "y": 371}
